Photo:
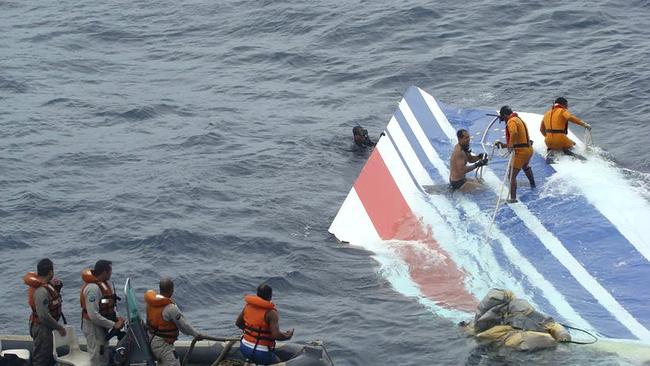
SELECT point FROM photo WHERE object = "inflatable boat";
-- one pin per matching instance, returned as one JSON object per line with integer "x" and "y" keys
{"x": 133, "y": 348}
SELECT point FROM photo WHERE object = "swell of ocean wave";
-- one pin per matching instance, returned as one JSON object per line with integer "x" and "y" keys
{"x": 210, "y": 142}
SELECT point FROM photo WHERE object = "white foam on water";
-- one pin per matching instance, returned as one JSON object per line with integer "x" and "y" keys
{"x": 396, "y": 271}
{"x": 603, "y": 184}
{"x": 607, "y": 189}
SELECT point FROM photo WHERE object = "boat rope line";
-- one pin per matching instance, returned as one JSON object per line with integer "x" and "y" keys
{"x": 595, "y": 339}
{"x": 507, "y": 174}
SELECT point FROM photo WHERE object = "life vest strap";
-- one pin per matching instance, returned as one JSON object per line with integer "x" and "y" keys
{"x": 521, "y": 145}
{"x": 258, "y": 335}
{"x": 556, "y": 131}
{"x": 166, "y": 335}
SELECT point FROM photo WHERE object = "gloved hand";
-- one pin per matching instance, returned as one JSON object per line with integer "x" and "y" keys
{"x": 588, "y": 126}
{"x": 499, "y": 144}
{"x": 481, "y": 156}
{"x": 481, "y": 163}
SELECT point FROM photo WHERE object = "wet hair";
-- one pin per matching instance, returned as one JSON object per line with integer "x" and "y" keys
{"x": 265, "y": 291}
{"x": 44, "y": 267}
{"x": 461, "y": 132}
{"x": 359, "y": 131}
{"x": 505, "y": 111}
{"x": 102, "y": 266}
{"x": 562, "y": 101}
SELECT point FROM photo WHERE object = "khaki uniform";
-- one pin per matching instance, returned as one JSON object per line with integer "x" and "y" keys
{"x": 97, "y": 328}
{"x": 42, "y": 331}
{"x": 164, "y": 352}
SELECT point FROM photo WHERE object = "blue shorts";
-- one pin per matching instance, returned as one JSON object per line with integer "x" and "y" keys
{"x": 259, "y": 356}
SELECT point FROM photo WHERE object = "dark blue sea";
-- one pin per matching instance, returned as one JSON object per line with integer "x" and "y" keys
{"x": 210, "y": 141}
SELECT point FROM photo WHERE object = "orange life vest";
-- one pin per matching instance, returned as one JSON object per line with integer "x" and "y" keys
{"x": 157, "y": 325}
{"x": 561, "y": 124}
{"x": 107, "y": 301}
{"x": 256, "y": 328}
{"x": 523, "y": 140}
{"x": 32, "y": 280}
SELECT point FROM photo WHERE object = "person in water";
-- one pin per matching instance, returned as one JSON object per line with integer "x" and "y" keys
{"x": 460, "y": 157}
{"x": 519, "y": 143}
{"x": 261, "y": 325}
{"x": 555, "y": 126}
{"x": 44, "y": 299}
{"x": 164, "y": 321}
{"x": 361, "y": 139}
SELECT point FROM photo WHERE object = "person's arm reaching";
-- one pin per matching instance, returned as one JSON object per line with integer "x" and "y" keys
{"x": 571, "y": 118}
{"x": 274, "y": 325}
{"x": 172, "y": 313}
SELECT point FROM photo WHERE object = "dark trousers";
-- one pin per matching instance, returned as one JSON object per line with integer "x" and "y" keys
{"x": 42, "y": 350}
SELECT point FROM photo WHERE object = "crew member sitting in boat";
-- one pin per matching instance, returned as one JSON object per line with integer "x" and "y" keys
{"x": 517, "y": 140}
{"x": 260, "y": 322}
{"x": 508, "y": 321}
{"x": 458, "y": 164}
{"x": 555, "y": 126}
{"x": 164, "y": 321}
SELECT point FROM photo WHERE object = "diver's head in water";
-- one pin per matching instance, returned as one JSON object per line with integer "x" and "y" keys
{"x": 463, "y": 139}
{"x": 504, "y": 112}
{"x": 361, "y": 138}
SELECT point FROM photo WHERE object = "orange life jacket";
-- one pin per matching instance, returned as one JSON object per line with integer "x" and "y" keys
{"x": 561, "y": 124}
{"x": 523, "y": 140}
{"x": 107, "y": 301}
{"x": 32, "y": 280}
{"x": 256, "y": 328}
{"x": 157, "y": 325}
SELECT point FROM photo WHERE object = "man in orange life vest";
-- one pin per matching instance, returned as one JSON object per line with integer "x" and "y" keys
{"x": 260, "y": 322}
{"x": 45, "y": 301}
{"x": 555, "y": 125}
{"x": 519, "y": 143}
{"x": 164, "y": 321}
{"x": 98, "y": 314}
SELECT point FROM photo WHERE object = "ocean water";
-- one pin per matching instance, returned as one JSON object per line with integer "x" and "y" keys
{"x": 211, "y": 142}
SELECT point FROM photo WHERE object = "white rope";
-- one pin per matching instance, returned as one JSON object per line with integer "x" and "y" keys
{"x": 587, "y": 139}
{"x": 496, "y": 208}
{"x": 479, "y": 171}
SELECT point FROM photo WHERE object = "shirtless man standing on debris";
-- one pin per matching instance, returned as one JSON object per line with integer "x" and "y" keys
{"x": 458, "y": 164}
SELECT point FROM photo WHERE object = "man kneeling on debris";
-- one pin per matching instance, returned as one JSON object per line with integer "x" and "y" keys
{"x": 512, "y": 322}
